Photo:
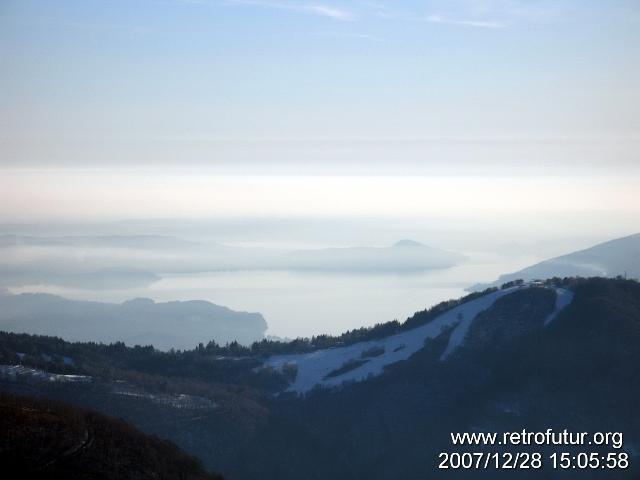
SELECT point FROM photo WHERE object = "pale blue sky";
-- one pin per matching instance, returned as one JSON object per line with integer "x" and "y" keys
{"x": 444, "y": 89}
{"x": 144, "y": 70}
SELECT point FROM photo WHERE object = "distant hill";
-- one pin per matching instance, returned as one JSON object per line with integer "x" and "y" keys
{"x": 405, "y": 255}
{"x": 138, "y": 242}
{"x": 180, "y": 325}
{"x": 133, "y": 261}
{"x": 44, "y": 439}
{"x": 609, "y": 259}
{"x": 87, "y": 262}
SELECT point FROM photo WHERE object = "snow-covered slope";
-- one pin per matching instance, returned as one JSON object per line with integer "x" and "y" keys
{"x": 333, "y": 366}
{"x": 563, "y": 298}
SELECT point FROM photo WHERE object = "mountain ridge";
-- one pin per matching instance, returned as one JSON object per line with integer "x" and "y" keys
{"x": 614, "y": 257}
{"x": 137, "y": 321}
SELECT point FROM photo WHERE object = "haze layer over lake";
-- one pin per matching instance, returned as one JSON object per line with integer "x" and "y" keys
{"x": 253, "y": 265}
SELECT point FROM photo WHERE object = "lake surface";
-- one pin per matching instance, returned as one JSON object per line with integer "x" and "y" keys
{"x": 308, "y": 303}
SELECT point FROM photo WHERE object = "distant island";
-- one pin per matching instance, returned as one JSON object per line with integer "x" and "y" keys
{"x": 138, "y": 261}
{"x": 405, "y": 255}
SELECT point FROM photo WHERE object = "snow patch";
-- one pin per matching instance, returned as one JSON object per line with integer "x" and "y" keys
{"x": 180, "y": 401}
{"x": 563, "y": 298}
{"x": 15, "y": 372}
{"x": 318, "y": 368}
{"x": 313, "y": 368}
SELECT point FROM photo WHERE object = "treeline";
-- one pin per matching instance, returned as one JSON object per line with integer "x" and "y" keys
{"x": 380, "y": 330}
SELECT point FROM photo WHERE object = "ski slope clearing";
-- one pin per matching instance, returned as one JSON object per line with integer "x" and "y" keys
{"x": 333, "y": 366}
{"x": 316, "y": 368}
{"x": 563, "y": 298}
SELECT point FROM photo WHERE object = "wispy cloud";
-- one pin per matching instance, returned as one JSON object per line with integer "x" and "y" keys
{"x": 318, "y": 9}
{"x": 354, "y": 35}
{"x": 465, "y": 23}
{"x": 329, "y": 12}
{"x": 465, "y": 13}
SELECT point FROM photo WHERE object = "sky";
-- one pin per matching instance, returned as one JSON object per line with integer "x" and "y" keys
{"x": 152, "y": 108}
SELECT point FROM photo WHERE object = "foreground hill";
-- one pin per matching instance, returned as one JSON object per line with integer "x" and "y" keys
{"x": 517, "y": 368}
{"x": 560, "y": 354}
{"x": 43, "y": 439}
{"x": 363, "y": 360}
{"x": 180, "y": 325}
{"x": 609, "y": 259}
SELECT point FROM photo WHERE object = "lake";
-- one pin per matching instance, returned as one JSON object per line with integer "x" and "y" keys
{"x": 308, "y": 303}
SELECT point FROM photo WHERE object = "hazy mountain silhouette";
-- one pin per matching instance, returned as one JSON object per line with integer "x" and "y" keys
{"x": 609, "y": 259}
{"x": 133, "y": 261}
{"x": 180, "y": 325}
{"x": 405, "y": 255}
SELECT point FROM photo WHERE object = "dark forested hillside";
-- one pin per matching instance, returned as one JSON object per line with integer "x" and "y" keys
{"x": 44, "y": 439}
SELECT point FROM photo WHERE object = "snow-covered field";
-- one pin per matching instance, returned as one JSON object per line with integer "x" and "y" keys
{"x": 361, "y": 360}
{"x": 14, "y": 372}
{"x": 180, "y": 400}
